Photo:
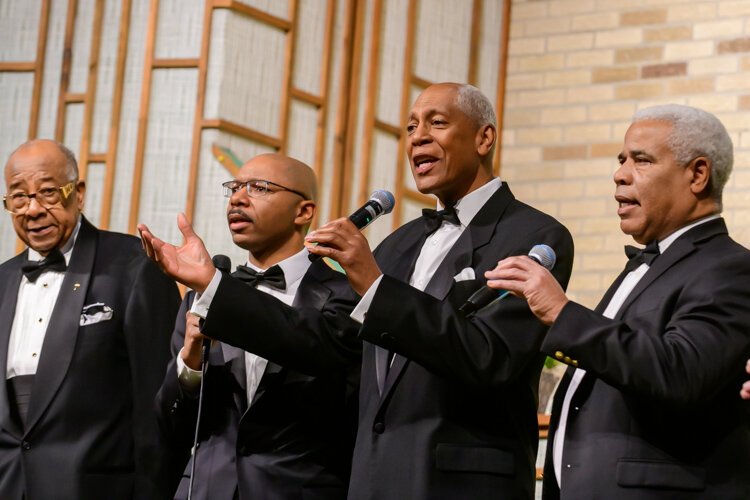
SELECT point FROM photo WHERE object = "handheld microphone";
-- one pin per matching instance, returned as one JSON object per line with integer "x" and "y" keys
{"x": 223, "y": 264}
{"x": 542, "y": 254}
{"x": 381, "y": 202}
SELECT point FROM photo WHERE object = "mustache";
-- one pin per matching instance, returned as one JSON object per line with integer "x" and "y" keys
{"x": 239, "y": 215}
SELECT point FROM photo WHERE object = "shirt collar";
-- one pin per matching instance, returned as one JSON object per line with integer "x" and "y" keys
{"x": 66, "y": 249}
{"x": 666, "y": 242}
{"x": 468, "y": 206}
{"x": 294, "y": 267}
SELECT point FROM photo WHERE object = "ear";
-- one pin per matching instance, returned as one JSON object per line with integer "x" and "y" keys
{"x": 699, "y": 171}
{"x": 486, "y": 136}
{"x": 305, "y": 213}
{"x": 80, "y": 192}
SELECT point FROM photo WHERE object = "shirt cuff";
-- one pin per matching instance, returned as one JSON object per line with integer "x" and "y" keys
{"x": 190, "y": 380}
{"x": 203, "y": 300}
{"x": 359, "y": 312}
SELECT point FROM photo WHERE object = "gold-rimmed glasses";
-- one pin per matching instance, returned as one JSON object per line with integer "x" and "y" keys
{"x": 18, "y": 202}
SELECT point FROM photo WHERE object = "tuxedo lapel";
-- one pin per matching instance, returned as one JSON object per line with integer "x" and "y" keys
{"x": 60, "y": 338}
{"x": 478, "y": 233}
{"x": 9, "y": 284}
{"x": 401, "y": 266}
{"x": 678, "y": 250}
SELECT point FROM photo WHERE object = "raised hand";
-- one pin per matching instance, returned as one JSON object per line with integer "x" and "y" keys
{"x": 190, "y": 264}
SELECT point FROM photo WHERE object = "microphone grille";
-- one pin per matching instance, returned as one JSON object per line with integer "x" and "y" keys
{"x": 544, "y": 255}
{"x": 385, "y": 199}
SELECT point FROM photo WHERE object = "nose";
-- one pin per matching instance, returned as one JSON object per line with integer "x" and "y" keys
{"x": 239, "y": 197}
{"x": 420, "y": 135}
{"x": 623, "y": 173}
{"x": 35, "y": 208}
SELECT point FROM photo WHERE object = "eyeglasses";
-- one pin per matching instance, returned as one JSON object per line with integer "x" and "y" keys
{"x": 257, "y": 188}
{"x": 49, "y": 197}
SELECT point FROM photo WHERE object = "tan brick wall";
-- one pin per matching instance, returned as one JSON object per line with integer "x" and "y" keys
{"x": 579, "y": 69}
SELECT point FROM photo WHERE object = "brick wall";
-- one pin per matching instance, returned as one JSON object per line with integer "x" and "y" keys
{"x": 579, "y": 69}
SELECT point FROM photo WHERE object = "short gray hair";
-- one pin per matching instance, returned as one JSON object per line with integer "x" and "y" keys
{"x": 695, "y": 133}
{"x": 474, "y": 104}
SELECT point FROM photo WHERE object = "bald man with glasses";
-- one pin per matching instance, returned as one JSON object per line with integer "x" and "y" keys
{"x": 276, "y": 424}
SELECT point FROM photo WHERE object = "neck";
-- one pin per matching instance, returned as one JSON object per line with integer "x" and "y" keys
{"x": 272, "y": 255}
{"x": 483, "y": 177}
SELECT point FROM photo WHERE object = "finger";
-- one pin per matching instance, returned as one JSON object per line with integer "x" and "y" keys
{"x": 747, "y": 366}
{"x": 326, "y": 238}
{"x": 513, "y": 286}
{"x": 325, "y": 251}
{"x": 185, "y": 227}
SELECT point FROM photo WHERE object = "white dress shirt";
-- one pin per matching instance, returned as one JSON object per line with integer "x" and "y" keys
{"x": 34, "y": 307}
{"x": 618, "y": 299}
{"x": 437, "y": 245}
{"x": 294, "y": 268}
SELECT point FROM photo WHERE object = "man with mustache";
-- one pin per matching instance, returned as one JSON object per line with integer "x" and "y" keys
{"x": 275, "y": 425}
{"x": 447, "y": 403}
{"x": 648, "y": 408}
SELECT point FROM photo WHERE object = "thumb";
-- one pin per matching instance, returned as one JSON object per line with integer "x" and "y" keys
{"x": 185, "y": 227}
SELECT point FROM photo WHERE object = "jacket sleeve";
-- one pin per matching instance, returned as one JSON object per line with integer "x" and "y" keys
{"x": 681, "y": 347}
{"x": 149, "y": 317}
{"x": 490, "y": 348}
{"x": 302, "y": 338}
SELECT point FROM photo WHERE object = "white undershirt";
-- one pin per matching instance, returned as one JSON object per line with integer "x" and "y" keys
{"x": 622, "y": 293}
{"x": 437, "y": 245}
{"x": 294, "y": 268}
{"x": 34, "y": 307}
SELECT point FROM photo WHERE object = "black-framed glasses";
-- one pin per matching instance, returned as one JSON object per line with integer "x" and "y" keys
{"x": 257, "y": 188}
{"x": 18, "y": 202}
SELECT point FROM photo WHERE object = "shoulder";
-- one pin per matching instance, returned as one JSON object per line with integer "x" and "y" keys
{"x": 119, "y": 246}
{"x": 14, "y": 262}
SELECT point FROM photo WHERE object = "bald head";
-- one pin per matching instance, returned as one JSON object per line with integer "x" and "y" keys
{"x": 50, "y": 152}
{"x": 288, "y": 172}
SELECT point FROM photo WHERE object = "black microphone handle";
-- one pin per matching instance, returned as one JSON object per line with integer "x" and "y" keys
{"x": 486, "y": 295}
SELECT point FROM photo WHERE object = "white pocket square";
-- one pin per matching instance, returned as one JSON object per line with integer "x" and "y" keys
{"x": 466, "y": 274}
{"x": 95, "y": 313}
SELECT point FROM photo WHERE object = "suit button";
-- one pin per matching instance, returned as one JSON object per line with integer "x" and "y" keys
{"x": 567, "y": 359}
{"x": 574, "y": 363}
{"x": 559, "y": 355}
{"x": 379, "y": 427}
{"x": 26, "y": 445}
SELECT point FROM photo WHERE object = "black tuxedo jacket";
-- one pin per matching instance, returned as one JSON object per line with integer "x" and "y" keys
{"x": 658, "y": 414}
{"x": 456, "y": 417}
{"x": 295, "y": 439}
{"x": 91, "y": 431}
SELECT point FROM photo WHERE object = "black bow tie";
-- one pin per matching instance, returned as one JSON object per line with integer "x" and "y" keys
{"x": 638, "y": 256}
{"x": 54, "y": 261}
{"x": 434, "y": 218}
{"x": 273, "y": 276}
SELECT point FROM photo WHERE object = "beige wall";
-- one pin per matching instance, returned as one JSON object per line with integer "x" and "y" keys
{"x": 577, "y": 71}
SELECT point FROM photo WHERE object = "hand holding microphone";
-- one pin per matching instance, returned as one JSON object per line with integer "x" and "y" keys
{"x": 528, "y": 277}
{"x": 342, "y": 241}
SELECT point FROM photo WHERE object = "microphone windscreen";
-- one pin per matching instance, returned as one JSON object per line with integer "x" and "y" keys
{"x": 385, "y": 199}
{"x": 222, "y": 263}
{"x": 544, "y": 255}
